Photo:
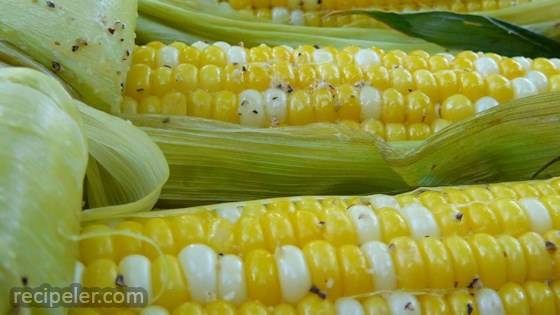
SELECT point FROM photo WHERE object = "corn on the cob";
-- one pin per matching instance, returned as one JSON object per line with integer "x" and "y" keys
{"x": 511, "y": 209}
{"x": 511, "y": 299}
{"x": 315, "y": 12}
{"x": 395, "y": 95}
{"x": 278, "y": 250}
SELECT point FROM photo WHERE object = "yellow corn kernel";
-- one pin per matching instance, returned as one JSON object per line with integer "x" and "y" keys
{"x": 481, "y": 219}
{"x": 159, "y": 231}
{"x": 462, "y": 303}
{"x": 418, "y": 107}
{"x": 262, "y": 277}
{"x": 464, "y": 262}
{"x": 515, "y": 258}
{"x": 538, "y": 259}
{"x": 379, "y": 77}
{"x": 425, "y": 82}
{"x": 150, "y": 105}
{"x": 138, "y": 81}
{"x": 252, "y": 308}
{"x": 402, "y": 80}
{"x": 277, "y": 230}
{"x": 307, "y": 227}
{"x": 512, "y": 219}
{"x": 351, "y": 73}
{"x": 220, "y": 235}
{"x": 439, "y": 124}
{"x": 392, "y": 224}
{"x": 552, "y": 203}
{"x": 448, "y": 84}
{"x": 392, "y": 61}
{"x": 129, "y": 105}
{"x": 545, "y": 66}
{"x": 395, "y": 132}
{"x": 95, "y": 247}
{"x": 554, "y": 83}
{"x": 323, "y": 105}
{"x": 348, "y": 103}
{"x": 248, "y": 235}
{"x": 189, "y": 308}
{"x": 418, "y": 131}
{"x": 511, "y": 69}
{"x": 354, "y": 271}
{"x": 189, "y": 55}
{"x": 329, "y": 73}
{"x": 100, "y": 273}
{"x": 438, "y": 63}
{"x": 463, "y": 64}
{"x": 161, "y": 81}
{"x": 472, "y": 85}
{"x": 514, "y": 299}
{"x": 502, "y": 191}
{"x": 300, "y": 109}
{"x": 439, "y": 270}
{"x": 213, "y": 55}
{"x": 281, "y": 53}
{"x": 313, "y": 304}
{"x": 283, "y": 309}
{"x": 414, "y": 62}
{"x": 457, "y": 196}
{"x": 491, "y": 260}
{"x": 450, "y": 220}
{"x": 375, "y": 305}
{"x": 374, "y": 127}
{"x": 394, "y": 108}
{"x": 434, "y": 305}
{"x": 199, "y": 104}
{"x": 168, "y": 282}
{"x": 306, "y": 76}
{"x": 225, "y": 107}
{"x": 409, "y": 265}
{"x": 174, "y": 103}
{"x": 185, "y": 77}
{"x": 187, "y": 229}
{"x": 124, "y": 245}
{"x": 209, "y": 78}
{"x": 323, "y": 265}
{"x": 220, "y": 308}
{"x": 240, "y": 4}
{"x": 499, "y": 87}
{"x": 144, "y": 55}
{"x": 541, "y": 298}
{"x": 257, "y": 77}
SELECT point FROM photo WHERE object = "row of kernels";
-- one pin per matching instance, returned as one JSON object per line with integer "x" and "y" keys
{"x": 407, "y": 5}
{"x": 512, "y": 299}
{"x": 290, "y": 272}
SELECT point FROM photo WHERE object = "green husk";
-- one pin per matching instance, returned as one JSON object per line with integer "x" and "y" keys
{"x": 84, "y": 42}
{"x": 214, "y": 162}
{"x": 45, "y": 139}
{"x": 182, "y": 20}
{"x": 42, "y": 165}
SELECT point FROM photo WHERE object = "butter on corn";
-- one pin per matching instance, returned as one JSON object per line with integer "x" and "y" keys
{"x": 395, "y": 95}
{"x": 279, "y": 250}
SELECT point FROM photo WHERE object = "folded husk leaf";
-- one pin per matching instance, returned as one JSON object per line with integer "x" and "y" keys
{"x": 217, "y": 162}
{"x": 87, "y": 43}
{"x": 42, "y": 165}
{"x": 45, "y": 139}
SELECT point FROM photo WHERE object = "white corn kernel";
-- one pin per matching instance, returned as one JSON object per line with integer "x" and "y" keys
{"x": 485, "y": 103}
{"x": 381, "y": 265}
{"x": 384, "y": 201}
{"x": 136, "y": 272}
{"x": 237, "y": 55}
{"x": 371, "y": 103}
{"x": 489, "y": 302}
{"x": 280, "y": 15}
{"x": 232, "y": 286}
{"x": 365, "y": 58}
{"x": 486, "y": 66}
{"x": 420, "y": 220}
{"x": 402, "y": 303}
{"x": 251, "y": 109}
{"x": 297, "y": 17}
{"x": 199, "y": 264}
{"x": 539, "y": 217}
{"x": 348, "y": 306}
{"x": 293, "y": 272}
{"x": 539, "y": 80}
{"x": 168, "y": 56}
{"x": 366, "y": 223}
{"x": 523, "y": 87}
{"x": 275, "y": 102}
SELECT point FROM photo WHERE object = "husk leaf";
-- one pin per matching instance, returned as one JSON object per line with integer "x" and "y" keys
{"x": 217, "y": 162}
{"x": 85, "y": 42}
{"x": 42, "y": 165}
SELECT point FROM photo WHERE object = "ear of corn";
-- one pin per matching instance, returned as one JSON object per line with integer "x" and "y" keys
{"x": 277, "y": 251}
{"x": 394, "y": 95}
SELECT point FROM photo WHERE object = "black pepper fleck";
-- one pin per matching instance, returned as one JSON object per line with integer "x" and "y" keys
{"x": 255, "y": 111}
{"x": 290, "y": 89}
{"x": 75, "y": 48}
{"x": 166, "y": 120}
{"x": 57, "y": 43}
{"x": 317, "y": 291}
{"x": 24, "y": 280}
{"x": 275, "y": 98}
{"x": 51, "y": 4}
{"x": 459, "y": 216}
{"x": 140, "y": 90}
{"x": 56, "y": 66}
{"x": 322, "y": 222}
{"x": 550, "y": 246}
{"x": 221, "y": 254}
{"x": 469, "y": 308}
{"x": 409, "y": 307}
{"x": 391, "y": 246}
{"x": 473, "y": 284}
{"x": 121, "y": 40}
{"x": 111, "y": 30}
{"x": 316, "y": 46}
{"x": 119, "y": 281}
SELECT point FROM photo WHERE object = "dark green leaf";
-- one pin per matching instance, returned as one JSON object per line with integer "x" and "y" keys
{"x": 467, "y": 31}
